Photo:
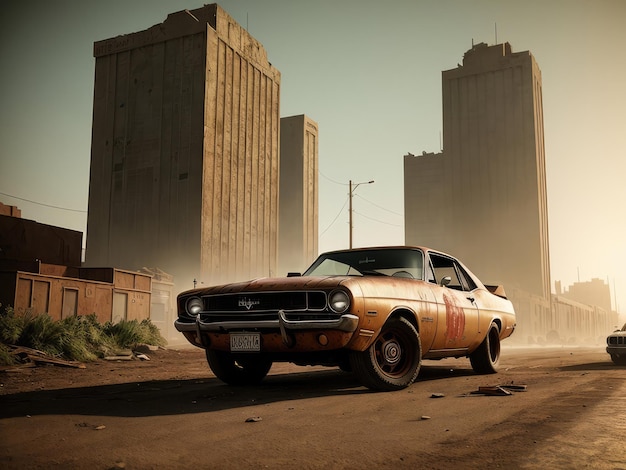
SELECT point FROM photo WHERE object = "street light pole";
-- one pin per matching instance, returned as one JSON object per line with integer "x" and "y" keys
{"x": 352, "y": 189}
{"x": 350, "y": 212}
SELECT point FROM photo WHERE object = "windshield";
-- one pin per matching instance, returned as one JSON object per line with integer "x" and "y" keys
{"x": 398, "y": 262}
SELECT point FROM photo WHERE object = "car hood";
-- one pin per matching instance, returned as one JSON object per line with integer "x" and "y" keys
{"x": 618, "y": 333}
{"x": 273, "y": 284}
{"x": 375, "y": 286}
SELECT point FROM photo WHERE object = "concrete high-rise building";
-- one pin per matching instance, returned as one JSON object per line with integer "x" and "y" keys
{"x": 483, "y": 198}
{"x": 298, "y": 234}
{"x": 185, "y": 151}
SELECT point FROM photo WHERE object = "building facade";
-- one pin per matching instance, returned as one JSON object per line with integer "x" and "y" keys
{"x": 299, "y": 199}
{"x": 483, "y": 198}
{"x": 27, "y": 240}
{"x": 185, "y": 151}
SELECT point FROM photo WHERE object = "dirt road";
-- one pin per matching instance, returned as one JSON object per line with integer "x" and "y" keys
{"x": 171, "y": 413}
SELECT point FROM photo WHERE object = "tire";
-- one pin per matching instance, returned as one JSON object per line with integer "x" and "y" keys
{"x": 238, "y": 369}
{"x": 345, "y": 366}
{"x": 486, "y": 358}
{"x": 393, "y": 361}
{"x": 619, "y": 359}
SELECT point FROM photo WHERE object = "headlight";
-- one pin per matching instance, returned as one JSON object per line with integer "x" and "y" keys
{"x": 338, "y": 301}
{"x": 194, "y": 306}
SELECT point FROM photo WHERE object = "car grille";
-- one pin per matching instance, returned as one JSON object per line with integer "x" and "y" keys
{"x": 260, "y": 306}
{"x": 616, "y": 340}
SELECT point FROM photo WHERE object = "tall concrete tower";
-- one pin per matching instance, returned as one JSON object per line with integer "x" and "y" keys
{"x": 299, "y": 199}
{"x": 484, "y": 197}
{"x": 185, "y": 151}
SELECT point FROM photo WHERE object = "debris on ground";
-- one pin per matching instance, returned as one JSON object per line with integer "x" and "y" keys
{"x": 128, "y": 355}
{"x": 29, "y": 357}
{"x": 493, "y": 390}
{"x": 26, "y": 358}
{"x": 499, "y": 390}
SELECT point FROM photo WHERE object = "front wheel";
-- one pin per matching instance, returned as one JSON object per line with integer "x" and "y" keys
{"x": 487, "y": 356}
{"x": 244, "y": 369}
{"x": 619, "y": 359}
{"x": 393, "y": 361}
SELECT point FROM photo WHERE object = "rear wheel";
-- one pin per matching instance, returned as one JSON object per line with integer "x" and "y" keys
{"x": 393, "y": 361}
{"x": 238, "y": 369}
{"x": 486, "y": 358}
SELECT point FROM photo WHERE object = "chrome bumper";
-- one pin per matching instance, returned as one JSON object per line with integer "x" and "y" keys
{"x": 347, "y": 323}
{"x": 616, "y": 349}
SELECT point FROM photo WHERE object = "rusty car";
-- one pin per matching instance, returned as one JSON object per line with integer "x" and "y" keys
{"x": 377, "y": 312}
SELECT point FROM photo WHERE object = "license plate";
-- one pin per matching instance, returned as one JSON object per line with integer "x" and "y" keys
{"x": 248, "y": 342}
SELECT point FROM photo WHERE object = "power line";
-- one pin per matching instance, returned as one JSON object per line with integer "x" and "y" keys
{"x": 376, "y": 220}
{"x": 380, "y": 207}
{"x": 331, "y": 180}
{"x": 358, "y": 195}
{"x": 42, "y": 204}
{"x": 336, "y": 217}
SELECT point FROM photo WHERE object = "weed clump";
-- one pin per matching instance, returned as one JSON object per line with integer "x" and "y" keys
{"x": 77, "y": 338}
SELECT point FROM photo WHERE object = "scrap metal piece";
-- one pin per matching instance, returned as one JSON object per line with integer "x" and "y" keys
{"x": 494, "y": 390}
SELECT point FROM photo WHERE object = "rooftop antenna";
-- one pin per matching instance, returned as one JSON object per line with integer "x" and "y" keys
{"x": 495, "y": 26}
{"x": 247, "y": 29}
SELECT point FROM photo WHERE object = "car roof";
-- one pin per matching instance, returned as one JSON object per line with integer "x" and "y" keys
{"x": 391, "y": 247}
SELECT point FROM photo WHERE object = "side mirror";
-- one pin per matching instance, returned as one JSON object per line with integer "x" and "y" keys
{"x": 445, "y": 281}
{"x": 294, "y": 274}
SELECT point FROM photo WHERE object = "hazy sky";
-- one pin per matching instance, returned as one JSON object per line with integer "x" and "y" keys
{"x": 369, "y": 72}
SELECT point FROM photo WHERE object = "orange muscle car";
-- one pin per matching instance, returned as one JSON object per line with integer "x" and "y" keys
{"x": 374, "y": 311}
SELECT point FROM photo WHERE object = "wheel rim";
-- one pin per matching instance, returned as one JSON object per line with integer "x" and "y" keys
{"x": 393, "y": 350}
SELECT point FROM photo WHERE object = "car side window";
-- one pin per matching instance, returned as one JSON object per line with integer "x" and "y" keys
{"x": 466, "y": 281}
{"x": 443, "y": 267}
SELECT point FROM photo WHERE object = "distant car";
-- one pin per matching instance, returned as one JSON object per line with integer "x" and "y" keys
{"x": 374, "y": 311}
{"x": 616, "y": 346}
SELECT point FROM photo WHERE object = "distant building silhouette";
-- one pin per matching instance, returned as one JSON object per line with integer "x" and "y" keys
{"x": 593, "y": 292}
{"x": 484, "y": 197}
{"x": 184, "y": 158}
{"x": 298, "y": 233}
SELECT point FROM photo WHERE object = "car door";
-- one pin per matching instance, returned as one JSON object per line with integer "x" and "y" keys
{"x": 457, "y": 311}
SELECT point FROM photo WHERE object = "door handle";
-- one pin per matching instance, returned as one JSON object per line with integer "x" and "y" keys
{"x": 471, "y": 299}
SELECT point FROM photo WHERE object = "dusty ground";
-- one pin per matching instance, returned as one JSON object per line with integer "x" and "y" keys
{"x": 170, "y": 412}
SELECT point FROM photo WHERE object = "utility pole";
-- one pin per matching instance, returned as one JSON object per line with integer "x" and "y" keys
{"x": 352, "y": 189}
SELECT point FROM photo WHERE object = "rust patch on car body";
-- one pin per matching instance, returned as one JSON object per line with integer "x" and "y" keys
{"x": 455, "y": 319}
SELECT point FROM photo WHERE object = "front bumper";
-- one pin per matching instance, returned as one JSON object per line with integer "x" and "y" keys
{"x": 616, "y": 350}
{"x": 292, "y": 333}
